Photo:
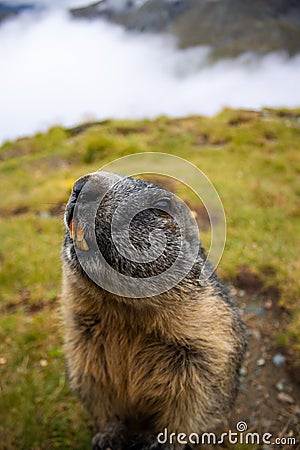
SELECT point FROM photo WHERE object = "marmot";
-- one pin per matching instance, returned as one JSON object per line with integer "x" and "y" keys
{"x": 142, "y": 365}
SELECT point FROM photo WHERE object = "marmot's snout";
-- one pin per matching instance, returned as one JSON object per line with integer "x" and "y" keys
{"x": 137, "y": 227}
{"x": 81, "y": 210}
{"x": 77, "y": 187}
{"x": 89, "y": 188}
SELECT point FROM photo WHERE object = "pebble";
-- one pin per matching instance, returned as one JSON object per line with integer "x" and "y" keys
{"x": 279, "y": 386}
{"x": 43, "y": 363}
{"x": 3, "y": 361}
{"x": 268, "y": 304}
{"x": 243, "y": 371}
{"x": 242, "y": 293}
{"x": 44, "y": 214}
{"x": 252, "y": 420}
{"x": 278, "y": 360}
{"x": 261, "y": 362}
{"x": 285, "y": 398}
{"x": 241, "y": 311}
{"x": 257, "y": 310}
{"x": 233, "y": 290}
{"x": 255, "y": 333}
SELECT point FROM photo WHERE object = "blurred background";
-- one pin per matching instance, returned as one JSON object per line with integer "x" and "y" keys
{"x": 142, "y": 59}
{"x": 212, "y": 81}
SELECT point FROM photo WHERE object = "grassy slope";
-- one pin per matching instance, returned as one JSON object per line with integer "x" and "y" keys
{"x": 254, "y": 161}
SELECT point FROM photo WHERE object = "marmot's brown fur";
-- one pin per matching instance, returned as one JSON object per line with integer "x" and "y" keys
{"x": 140, "y": 365}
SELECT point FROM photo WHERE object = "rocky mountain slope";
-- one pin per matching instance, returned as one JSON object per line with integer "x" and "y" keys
{"x": 230, "y": 27}
{"x": 9, "y": 11}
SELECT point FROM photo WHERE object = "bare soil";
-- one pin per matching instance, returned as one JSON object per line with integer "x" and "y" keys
{"x": 269, "y": 397}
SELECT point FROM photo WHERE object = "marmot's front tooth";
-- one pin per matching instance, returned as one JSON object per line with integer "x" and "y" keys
{"x": 79, "y": 235}
{"x": 79, "y": 239}
{"x": 82, "y": 245}
{"x": 71, "y": 231}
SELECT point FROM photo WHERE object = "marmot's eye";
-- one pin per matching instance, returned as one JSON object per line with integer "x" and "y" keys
{"x": 163, "y": 203}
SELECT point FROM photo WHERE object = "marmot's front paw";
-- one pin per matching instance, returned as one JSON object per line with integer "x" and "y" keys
{"x": 104, "y": 441}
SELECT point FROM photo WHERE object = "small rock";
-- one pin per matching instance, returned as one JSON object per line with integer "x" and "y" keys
{"x": 241, "y": 311}
{"x": 285, "y": 398}
{"x": 257, "y": 310}
{"x": 243, "y": 371}
{"x": 252, "y": 420}
{"x": 279, "y": 386}
{"x": 261, "y": 362}
{"x": 44, "y": 214}
{"x": 43, "y": 363}
{"x": 255, "y": 333}
{"x": 278, "y": 360}
{"x": 233, "y": 290}
{"x": 3, "y": 361}
{"x": 268, "y": 304}
{"x": 242, "y": 293}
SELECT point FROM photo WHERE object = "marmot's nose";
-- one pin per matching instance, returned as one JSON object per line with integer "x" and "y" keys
{"x": 97, "y": 184}
{"x": 78, "y": 185}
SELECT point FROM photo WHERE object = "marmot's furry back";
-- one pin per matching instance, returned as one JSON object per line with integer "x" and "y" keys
{"x": 140, "y": 365}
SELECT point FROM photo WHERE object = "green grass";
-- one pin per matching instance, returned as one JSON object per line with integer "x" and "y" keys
{"x": 253, "y": 159}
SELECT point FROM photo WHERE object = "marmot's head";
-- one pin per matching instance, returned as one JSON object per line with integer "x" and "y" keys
{"x": 128, "y": 236}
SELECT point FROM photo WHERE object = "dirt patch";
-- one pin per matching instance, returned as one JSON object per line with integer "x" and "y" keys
{"x": 20, "y": 211}
{"x": 27, "y": 305}
{"x": 269, "y": 398}
{"x": 243, "y": 117}
{"x": 248, "y": 280}
{"x": 55, "y": 210}
{"x": 127, "y": 130}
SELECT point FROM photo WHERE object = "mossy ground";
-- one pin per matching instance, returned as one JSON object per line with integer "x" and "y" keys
{"x": 252, "y": 158}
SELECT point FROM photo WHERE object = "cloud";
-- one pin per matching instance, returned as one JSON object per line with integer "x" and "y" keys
{"x": 62, "y": 4}
{"x": 55, "y": 70}
{"x": 51, "y": 3}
